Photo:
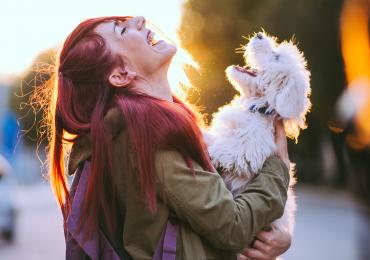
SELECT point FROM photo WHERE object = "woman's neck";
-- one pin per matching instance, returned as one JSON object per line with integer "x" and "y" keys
{"x": 156, "y": 85}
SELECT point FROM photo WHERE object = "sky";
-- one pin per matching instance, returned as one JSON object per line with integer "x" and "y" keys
{"x": 28, "y": 27}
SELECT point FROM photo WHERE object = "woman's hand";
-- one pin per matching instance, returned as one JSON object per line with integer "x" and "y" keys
{"x": 281, "y": 142}
{"x": 268, "y": 245}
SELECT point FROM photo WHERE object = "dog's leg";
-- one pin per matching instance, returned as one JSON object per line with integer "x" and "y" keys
{"x": 287, "y": 221}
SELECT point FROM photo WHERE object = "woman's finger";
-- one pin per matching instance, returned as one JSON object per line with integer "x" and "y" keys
{"x": 279, "y": 126}
{"x": 242, "y": 257}
{"x": 255, "y": 254}
{"x": 274, "y": 242}
{"x": 266, "y": 237}
{"x": 263, "y": 247}
{"x": 280, "y": 135}
{"x": 281, "y": 142}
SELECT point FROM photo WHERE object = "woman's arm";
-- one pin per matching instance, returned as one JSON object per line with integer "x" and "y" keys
{"x": 207, "y": 205}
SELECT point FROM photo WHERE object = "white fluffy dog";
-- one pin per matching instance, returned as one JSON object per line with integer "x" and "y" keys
{"x": 274, "y": 82}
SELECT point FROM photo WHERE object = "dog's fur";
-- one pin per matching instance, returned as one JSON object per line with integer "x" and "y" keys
{"x": 240, "y": 137}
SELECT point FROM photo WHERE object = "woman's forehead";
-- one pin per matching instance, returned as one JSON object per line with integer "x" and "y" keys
{"x": 112, "y": 24}
{"x": 120, "y": 22}
{"x": 107, "y": 27}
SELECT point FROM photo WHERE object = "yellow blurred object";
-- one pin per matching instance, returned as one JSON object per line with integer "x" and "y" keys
{"x": 356, "y": 54}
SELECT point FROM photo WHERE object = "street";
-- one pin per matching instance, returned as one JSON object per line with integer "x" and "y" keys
{"x": 39, "y": 229}
{"x": 330, "y": 225}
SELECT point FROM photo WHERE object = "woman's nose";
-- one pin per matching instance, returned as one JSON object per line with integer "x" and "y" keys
{"x": 140, "y": 22}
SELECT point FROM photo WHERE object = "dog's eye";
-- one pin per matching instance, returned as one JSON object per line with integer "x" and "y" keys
{"x": 277, "y": 57}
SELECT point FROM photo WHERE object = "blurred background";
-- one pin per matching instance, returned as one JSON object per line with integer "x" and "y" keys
{"x": 332, "y": 154}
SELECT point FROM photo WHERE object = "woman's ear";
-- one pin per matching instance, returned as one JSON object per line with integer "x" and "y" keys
{"x": 121, "y": 77}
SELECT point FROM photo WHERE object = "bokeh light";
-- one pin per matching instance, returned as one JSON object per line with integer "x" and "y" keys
{"x": 355, "y": 102}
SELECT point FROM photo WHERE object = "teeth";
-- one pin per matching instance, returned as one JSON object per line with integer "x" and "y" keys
{"x": 151, "y": 40}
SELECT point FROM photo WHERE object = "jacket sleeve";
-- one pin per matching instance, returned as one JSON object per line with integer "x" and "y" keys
{"x": 203, "y": 201}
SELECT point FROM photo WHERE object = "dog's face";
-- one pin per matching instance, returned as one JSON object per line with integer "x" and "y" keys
{"x": 260, "y": 52}
{"x": 276, "y": 73}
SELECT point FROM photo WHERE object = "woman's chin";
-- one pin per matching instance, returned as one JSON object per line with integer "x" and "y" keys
{"x": 173, "y": 49}
{"x": 165, "y": 47}
{"x": 168, "y": 52}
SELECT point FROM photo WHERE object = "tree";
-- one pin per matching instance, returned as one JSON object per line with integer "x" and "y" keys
{"x": 23, "y": 102}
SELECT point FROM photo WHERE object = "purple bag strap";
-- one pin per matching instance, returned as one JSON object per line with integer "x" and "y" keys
{"x": 166, "y": 247}
{"x": 91, "y": 247}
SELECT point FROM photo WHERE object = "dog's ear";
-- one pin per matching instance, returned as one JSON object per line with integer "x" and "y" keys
{"x": 292, "y": 104}
{"x": 289, "y": 102}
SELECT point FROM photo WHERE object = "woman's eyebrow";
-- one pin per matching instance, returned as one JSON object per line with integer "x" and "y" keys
{"x": 119, "y": 24}
{"x": 114, "y": 26}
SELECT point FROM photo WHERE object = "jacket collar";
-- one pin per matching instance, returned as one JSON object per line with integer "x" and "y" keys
{"x": 82, "y": 148}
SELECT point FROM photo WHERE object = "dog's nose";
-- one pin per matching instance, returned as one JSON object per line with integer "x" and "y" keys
{"x": 259, "y": 36}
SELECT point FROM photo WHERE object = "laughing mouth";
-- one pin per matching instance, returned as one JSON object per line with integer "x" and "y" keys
{"x": 246, "y": 69}
{"x": 150, "y": 38}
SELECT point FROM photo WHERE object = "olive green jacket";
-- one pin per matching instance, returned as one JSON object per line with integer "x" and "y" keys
{"x": 214, "y": 224}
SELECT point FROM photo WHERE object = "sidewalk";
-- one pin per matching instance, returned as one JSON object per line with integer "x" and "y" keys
{"x": 39, "y": 228}
{"x": 330, "y": 225}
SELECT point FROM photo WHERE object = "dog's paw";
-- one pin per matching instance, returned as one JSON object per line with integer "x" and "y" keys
{"x": 263, "y": 109}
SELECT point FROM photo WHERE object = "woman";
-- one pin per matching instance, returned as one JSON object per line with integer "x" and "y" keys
{"x": 138, "y": 156}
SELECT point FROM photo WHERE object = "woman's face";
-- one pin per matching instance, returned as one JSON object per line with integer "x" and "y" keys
{"x": 133, "y": 42}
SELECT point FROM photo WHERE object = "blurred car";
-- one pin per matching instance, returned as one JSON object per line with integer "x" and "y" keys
{"x": 7, "y": 208}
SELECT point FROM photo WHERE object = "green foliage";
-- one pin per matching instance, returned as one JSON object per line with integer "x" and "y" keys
{"x": 212, "y": 29}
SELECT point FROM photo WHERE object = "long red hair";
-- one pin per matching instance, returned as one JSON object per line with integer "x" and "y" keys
{"x": 82, "y": 96}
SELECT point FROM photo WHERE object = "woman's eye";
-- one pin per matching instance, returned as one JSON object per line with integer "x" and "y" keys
{"x": 123, "y": 30}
